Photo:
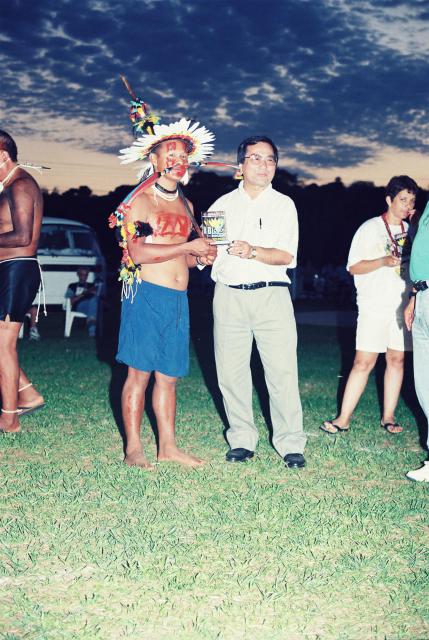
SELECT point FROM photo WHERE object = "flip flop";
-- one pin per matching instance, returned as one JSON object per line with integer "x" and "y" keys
{"x": 386, "y": 425}
{"x": 328, "y": 430}
{"x": 25, "y": 411}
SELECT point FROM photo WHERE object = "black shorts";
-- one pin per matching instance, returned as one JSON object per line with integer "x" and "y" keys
{"x": 19, "y": 283}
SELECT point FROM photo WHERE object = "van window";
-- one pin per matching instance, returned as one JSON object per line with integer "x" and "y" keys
{"x": 67, "y": 240}
{"x": 83, "y": 242}
{"x": 52, "y": 238}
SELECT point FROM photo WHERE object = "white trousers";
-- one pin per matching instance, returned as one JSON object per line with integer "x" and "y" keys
{"x": 267, "y": 315}
{"x": 421, "y": 351}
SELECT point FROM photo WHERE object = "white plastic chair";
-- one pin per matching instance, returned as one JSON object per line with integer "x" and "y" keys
{"x": 70, "y": 316}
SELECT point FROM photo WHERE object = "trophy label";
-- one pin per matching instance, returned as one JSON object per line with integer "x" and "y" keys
{"x": 214, "y": 226}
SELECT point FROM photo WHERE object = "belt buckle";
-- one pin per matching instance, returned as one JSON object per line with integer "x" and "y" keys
{"x": 260, "y": 285}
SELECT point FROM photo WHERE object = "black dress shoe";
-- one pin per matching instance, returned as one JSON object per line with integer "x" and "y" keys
{"x": 239, "y": 455}
{"x": 294, "y": 460}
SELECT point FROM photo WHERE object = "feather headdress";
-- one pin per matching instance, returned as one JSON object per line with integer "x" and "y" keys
{"x": 198, "y": 139}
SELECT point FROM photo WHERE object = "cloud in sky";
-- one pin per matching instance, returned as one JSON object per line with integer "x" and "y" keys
{"x": 338, "y": 84}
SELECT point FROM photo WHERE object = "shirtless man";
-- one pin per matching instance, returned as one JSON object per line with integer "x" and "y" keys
{"x": 154, "y": 333}
{"x": 21, "y": 208}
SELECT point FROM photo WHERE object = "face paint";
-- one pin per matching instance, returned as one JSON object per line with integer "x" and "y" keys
{"x": 181, "y": 169}
{"x": 176, "y": 156}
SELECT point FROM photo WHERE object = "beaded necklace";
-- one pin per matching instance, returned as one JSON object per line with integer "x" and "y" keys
{"x": 164, "y": 193}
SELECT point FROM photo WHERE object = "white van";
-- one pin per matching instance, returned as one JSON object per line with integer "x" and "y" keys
{"x": 66, "y": 245}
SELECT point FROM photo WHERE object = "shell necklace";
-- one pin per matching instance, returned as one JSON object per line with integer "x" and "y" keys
{"x": 164, "y": 193}
{"x": 9, "y": 175}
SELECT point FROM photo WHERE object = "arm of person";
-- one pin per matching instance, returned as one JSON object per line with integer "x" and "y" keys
{"x": 90, "y": 292}
{"x": 409, "y": 311}
{"x": 202, "y": 261}
{"x": 75, "y": 299}
{"x": 142, "y": 252}
{"x": 267, "y": 255}
{"x": 21, "y": 203}
{"x": 71, "y": 295}
{"x": 368, "y": 266}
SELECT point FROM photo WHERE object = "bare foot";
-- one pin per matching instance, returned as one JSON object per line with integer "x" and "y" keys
{"x": 138, "y": 459}
{"x": 174, "y": 454}
{"x": 9, "y": 425}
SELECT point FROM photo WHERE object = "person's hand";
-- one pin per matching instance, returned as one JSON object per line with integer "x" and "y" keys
{"x": 409, "y": 313}
{"x": 208, "y": 260}
{"x": 210, "y": 257}
{"x": 391, "y": 261}
{"x": 200, "y": 247}
{"x": 240, "y": 248}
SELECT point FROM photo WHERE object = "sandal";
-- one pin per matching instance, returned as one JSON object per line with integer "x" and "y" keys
{"x": 329, "y": 427}
{"x": 25, "y": 411}
{"x": 390, "y": 426}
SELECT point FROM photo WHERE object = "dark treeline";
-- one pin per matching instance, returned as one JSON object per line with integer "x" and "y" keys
{"x": 328, "y": 214}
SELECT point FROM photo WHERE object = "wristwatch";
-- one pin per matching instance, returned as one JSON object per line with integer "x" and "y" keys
{"x": 253, "y": 253}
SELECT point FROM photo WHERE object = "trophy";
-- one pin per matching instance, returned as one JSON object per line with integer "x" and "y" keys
{"x": 214, "y": 226}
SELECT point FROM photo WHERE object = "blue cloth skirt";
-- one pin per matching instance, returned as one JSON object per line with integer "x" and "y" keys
{"x": 154, "y": 332}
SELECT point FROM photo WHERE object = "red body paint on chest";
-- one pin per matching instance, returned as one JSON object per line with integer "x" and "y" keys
{"x": 168, "y": 224}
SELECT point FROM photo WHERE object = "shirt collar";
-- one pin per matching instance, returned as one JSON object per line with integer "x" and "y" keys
{"x": 263, "y": 193}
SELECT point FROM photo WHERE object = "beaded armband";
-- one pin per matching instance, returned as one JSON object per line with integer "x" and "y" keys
{"x": 128, "y": 271}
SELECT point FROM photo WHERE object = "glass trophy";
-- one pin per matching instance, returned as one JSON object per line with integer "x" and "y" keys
{"x": 214, "y": 226}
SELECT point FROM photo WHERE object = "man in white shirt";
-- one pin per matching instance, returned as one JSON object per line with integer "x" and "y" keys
{"x": 83, "y": 298}
{"x": 252, "y": 300}
{"x": 379, "y": 261}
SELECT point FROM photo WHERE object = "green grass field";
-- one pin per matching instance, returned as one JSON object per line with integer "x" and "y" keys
{"x": 93, "y": 549}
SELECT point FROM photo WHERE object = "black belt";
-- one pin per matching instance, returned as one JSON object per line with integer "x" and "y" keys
{"x": 257, "y": 285}
{"x": 421, "y": 285}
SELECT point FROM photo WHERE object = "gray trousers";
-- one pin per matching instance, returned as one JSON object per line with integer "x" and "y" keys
{"x": 267, "y": 315}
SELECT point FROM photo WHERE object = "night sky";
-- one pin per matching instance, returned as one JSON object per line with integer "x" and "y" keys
{"x": 340, "y": 85}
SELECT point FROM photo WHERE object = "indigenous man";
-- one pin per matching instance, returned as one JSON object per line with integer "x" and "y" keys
{"x": 416, "y": 316}
{"x": 154, "y": 333}
{"x": 20, "y": 221}
{"x": 252, "y": 300}
{"x": 378, "y": 260}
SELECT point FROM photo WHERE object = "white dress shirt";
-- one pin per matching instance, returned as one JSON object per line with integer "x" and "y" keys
{"x": 270, "y": 220}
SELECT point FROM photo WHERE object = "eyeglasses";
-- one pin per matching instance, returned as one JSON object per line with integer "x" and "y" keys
{"x": 255, "y": 158}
